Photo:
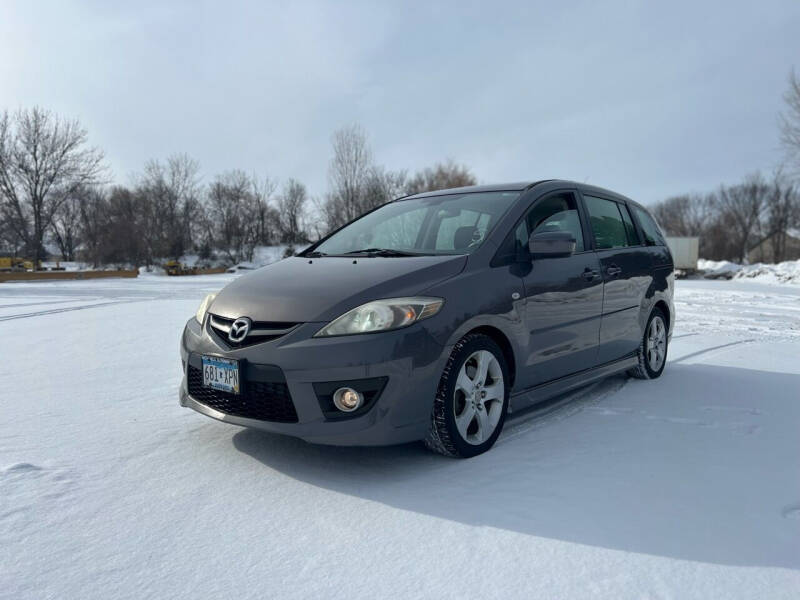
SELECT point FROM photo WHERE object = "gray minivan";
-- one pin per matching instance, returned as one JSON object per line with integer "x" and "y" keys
{"x": 431, "y": 317}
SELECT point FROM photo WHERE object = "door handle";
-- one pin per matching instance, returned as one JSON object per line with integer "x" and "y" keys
{"x": 589, "y": 274}
{"x": 613, "y": 271}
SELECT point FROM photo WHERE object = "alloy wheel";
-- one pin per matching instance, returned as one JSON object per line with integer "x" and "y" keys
{"x": 656, "y": 343}
{"x": 478, "y": 397}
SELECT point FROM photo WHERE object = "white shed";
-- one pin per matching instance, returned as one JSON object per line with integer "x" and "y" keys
{"x": 684, "y": 252}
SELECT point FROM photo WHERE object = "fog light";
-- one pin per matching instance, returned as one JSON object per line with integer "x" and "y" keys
{"x": 347, "y": 399}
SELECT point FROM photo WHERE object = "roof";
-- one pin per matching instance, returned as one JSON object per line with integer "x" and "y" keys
{"x": 521, "y": 186}
{"x": 494, "y": 187}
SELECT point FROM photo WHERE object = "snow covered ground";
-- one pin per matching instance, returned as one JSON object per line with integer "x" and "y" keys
{"x": 686, "y": 487}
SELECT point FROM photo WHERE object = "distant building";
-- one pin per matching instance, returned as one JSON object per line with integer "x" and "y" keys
{"x": 768, "y": 249}
{"x": 684, "y": 252}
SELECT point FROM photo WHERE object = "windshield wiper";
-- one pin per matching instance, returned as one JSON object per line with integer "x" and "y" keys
{"x": 314, "y": 254}
{"x": 382, "y": 252}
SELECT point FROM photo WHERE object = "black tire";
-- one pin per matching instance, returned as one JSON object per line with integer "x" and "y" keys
{"x": 643, "y": 370}
{"x": 443, "y": 436}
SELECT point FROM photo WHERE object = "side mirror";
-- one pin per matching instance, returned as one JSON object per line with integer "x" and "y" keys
{"x": 551, "y": 243}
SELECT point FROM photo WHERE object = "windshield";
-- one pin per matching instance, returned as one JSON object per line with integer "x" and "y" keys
{"x": 451, "y": 224}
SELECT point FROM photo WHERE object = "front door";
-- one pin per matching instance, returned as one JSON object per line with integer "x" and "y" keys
{"x": 563, "y": 296}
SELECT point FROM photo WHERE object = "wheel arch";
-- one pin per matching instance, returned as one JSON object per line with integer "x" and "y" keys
{"x": 501, "y": 340}
{"x": 664, "y": 309}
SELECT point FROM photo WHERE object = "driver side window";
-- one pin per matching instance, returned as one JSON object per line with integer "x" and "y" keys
{"x": 554, "y": 213}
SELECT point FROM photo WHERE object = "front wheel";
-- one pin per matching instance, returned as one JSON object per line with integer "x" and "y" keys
{"x": 653, "y": 349}
{"x": 472, "y": 399}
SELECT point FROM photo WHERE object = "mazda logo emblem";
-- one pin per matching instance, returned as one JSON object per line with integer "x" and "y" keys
{"x": 239, "y": 329}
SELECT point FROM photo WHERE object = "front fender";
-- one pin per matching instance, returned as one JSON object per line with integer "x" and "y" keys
{"x": 491, "y": 298}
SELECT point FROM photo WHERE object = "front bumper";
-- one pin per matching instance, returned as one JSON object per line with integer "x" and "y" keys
{"x": 409, "y": 358}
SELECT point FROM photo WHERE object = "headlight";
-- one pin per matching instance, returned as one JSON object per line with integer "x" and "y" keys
{"x": 203, "y": 308}
{"x": 382, "y": 315}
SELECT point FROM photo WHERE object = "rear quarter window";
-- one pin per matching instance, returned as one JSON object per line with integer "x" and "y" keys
{"x": 652, "y": 232}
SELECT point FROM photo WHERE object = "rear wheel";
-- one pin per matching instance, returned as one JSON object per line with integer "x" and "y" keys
{"x": 653, "y": 349}
{"x": 472, "y": 399}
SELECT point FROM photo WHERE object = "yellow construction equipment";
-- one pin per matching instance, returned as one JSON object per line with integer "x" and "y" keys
{"x": 15, "y": 263}
{"x": 173, "y": 267}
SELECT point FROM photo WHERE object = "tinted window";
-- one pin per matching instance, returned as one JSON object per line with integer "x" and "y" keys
{"x": 652, "y": 233}
{"x": 630, "y": 230}
{"x": 607, "y": 224}
{"x": 554, "y": 213}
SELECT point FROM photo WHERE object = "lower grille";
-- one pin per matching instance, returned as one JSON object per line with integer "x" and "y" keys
{"x": 265, "y": 401}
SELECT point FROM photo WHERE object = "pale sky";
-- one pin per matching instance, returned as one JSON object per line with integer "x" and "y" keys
{"x": 649, "y": 99}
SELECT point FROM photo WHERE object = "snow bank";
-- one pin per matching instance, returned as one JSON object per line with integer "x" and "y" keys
{"x": 785, "y": 272}
{"x": 265, "y": 255}
{"x": 717, "y": 269}
{"x": 151, "y": 271}
{"x": 262, "y": 256}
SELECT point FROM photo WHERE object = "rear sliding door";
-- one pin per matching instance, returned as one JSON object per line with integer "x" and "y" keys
{"x": 626, "y": 269}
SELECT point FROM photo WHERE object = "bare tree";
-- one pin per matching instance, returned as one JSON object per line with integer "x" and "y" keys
{"x": 266, "y": 215}
{"x": 347, "y": 174}
{"x": 683, "y": 215}
{"x": 93, "y": 223}
{"x": 790, "y": 124}
{"x": 382, "y": 186}
{"x": 232, "y": 211}
{"x": 291, "y": 211}
{"x": 9, "y": 241}
{"x": 317, "y": 218}
{"x": 122, "y": 236}
{"x": 743, "y": 204}
{"x": 66, "y": 224}
{"x": 43, "y": 159}
{"x": 171, "y": 194}
{"x": 440, "y": 177}
{"x": 782, "y": 214}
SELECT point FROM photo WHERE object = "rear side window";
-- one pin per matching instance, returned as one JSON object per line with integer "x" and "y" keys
{"x": 608, "y": 225}
{"x": 630, "y": 230}
{"x": 652, "y": 232}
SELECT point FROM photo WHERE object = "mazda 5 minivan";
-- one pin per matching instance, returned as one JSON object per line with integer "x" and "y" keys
{"x": 433, "y": 316}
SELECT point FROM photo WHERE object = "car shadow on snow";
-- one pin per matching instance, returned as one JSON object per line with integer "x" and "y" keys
{"x": 696, "y": 466}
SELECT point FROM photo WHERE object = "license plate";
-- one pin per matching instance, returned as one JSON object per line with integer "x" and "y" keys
{"x": 221, "y": 374}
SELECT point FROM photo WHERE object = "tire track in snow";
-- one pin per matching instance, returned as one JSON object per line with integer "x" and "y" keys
{"x": 27, "y": 304}
{"x": 71, "y": 308}
{"x": 561, "y": 407}
{"x": 706, "y": 350}
{"x": 683, "y": 335}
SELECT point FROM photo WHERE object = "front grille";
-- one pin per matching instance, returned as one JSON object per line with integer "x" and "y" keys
{"x": 262, "y": 400}
{"x": 261, "y": 331}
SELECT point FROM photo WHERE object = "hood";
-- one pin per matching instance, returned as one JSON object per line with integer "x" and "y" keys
{"x": 301, "y": 290}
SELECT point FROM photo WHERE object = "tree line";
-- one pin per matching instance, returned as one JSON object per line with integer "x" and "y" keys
{"x": 734, "y": 219}
{"x": 55, "y": 193}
